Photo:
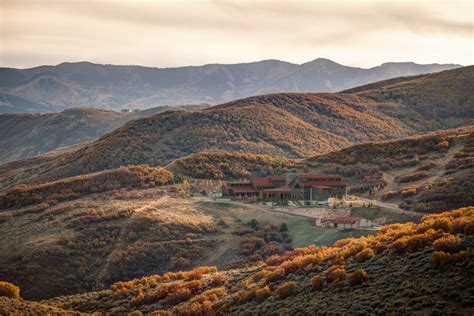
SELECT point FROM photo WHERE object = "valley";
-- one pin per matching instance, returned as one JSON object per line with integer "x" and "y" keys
{"x": 135, "y": 220}
{"x": 201, "y": 158}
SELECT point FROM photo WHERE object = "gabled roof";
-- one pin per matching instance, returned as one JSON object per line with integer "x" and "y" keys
{"x": 330, "y": 183}
{"x": 278, "y": 190}
{"x": 268, "y": 182}
{"x": 317, "y": 176}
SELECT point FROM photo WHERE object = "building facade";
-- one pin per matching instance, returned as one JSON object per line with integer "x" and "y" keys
{"x": 313, "y": 188}
{"x": 310, "y": 188}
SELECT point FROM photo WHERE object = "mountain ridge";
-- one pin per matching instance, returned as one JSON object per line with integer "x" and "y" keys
{"x": 86, "y": 84}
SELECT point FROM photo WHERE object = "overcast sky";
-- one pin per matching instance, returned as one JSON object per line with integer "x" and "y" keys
{"x": 179, "y": 33}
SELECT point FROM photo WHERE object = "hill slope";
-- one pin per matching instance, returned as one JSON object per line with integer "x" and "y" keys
{"x": 113, "y": 87}
{"x": 426, "y": 173}
{"x": 405, "y": 268}
{"x": 26, "y": 135}
{"x": 291, "y": 125}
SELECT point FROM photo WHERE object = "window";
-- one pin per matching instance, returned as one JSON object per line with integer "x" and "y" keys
{"x": 297, "y": 186}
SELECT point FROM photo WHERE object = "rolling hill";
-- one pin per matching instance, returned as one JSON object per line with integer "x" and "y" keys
{"x": 423, "y": 268}
{"x": 425, "y": 173}
{"x": 289, "y": 125}
{"x": 30, "y": 134}
{"x": 114, "y": 87}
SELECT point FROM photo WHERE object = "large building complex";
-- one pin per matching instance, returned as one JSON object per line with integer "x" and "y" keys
{"x": 308, "y": 188}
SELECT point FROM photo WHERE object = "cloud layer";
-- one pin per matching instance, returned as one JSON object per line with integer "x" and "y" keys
{"x": 177, "y": 33}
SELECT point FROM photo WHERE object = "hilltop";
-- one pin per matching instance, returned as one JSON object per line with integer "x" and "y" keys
{"x": 85, "y": 84}
{"x": 28, "y": 134}
{"x": 405, "y": 268}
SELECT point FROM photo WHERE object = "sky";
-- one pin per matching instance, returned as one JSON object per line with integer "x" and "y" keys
{"x": 172, "y": 33}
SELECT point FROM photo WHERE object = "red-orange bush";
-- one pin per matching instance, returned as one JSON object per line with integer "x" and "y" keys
{"x": 388, "y": 195}
{"x": 365, "y": 254}
{"x": 9, "y": 290}
{"x": 449, "y": 244}
{"x": 263, "y": 293}
{"x": 276, "y": 275}
{"x": 357, "y": 277}
{"x": 335, "y": 274}
{"x": 179, "y": 295}
{"x": 443, "y": 259}
{"x": 317, "y": 283}
{"x": 287, "y": 289}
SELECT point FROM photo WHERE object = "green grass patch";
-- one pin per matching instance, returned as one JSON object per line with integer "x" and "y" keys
{"x": 214, "y": 205}
{"x": 304, "y": 233}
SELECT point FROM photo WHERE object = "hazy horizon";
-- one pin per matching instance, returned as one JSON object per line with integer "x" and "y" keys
{"x": 168, "y": 34}
{"x": 234, "y": 63}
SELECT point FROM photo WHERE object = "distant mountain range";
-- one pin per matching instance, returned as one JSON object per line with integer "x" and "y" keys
{"x": 84, "y": 84}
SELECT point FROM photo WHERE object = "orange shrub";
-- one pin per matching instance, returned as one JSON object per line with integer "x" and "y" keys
{"x": 9, "y": 290}
{"x": 179, "y": 295}
{"x": 276, "y": 275}
{"x": 408, "y": 191}
{"x": 449, "y": 244}
{"x": 287, "y": 289}
{"x": 463, "y": 225}
{"x": 218, "y": 279}
{"x": 263, "y": 293}
{"x": 199, "y": 272}
{"x": 364, "y": 255}
{"x": 357, "y": 277}
{"x": 243, "y": 297}
{"x": 260, "y": 275}
{"x": 317, "y": 283}
{"x": 444, "y": 259}
{"x": 335, "y": 274}
{"x": 413, "y": 243}
{"x": 388, "y": 195}
{"x": 203, "y": 304}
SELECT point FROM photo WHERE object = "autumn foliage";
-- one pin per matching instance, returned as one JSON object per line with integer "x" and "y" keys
{"x": 9, "y": 290}
{"x": 357, "y": 277}
{"x": 130, "y": 177}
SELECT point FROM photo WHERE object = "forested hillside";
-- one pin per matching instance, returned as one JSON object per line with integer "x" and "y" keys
{"x": 26, "y": 134}
{"x": 405, "y": 268}
{"x": 282, "y": 125}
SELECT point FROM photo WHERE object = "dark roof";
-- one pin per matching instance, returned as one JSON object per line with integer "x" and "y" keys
{"x": 268, "y": 182}
{"x": 321, "y": 183}
{"x": 248, "y": 189}
{"x": 317, "y": 176}
{"x": 239, "y": 183}
{"x": 278, "y": 190}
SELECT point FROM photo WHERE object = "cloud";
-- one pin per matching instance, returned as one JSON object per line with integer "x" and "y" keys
{"x": 173, "y": 33}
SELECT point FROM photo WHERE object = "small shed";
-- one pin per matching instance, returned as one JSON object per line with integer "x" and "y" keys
{"x": 348, "y": 222}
